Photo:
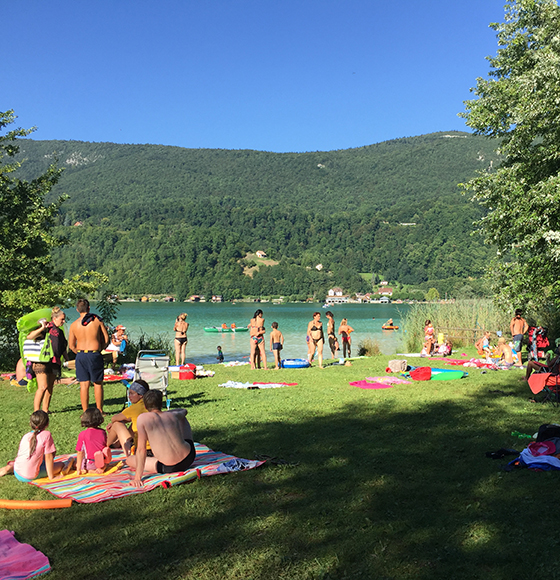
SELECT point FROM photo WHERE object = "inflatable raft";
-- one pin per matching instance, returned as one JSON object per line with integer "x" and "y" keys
{"x": 389, "y": 328}
{"x": 295, "y": 363}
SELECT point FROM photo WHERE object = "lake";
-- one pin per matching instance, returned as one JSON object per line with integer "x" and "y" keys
{"x": 154, "y": 318}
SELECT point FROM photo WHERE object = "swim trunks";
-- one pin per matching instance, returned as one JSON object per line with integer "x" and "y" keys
{"x": 276, "y": 346}
{"x": 517, "y": 342}
{"x": 89, "y": 367}
{"x": 183, "y": 465}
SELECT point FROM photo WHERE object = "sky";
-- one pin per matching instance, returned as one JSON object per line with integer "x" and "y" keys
{"x": 269, "y": 75}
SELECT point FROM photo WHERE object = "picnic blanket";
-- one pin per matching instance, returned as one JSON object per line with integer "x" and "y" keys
{"x": 20, "y": 561}
{"x": 94, "y": 488}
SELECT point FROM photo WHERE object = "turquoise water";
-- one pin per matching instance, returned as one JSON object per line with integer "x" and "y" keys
{"x": 159, "y": 317}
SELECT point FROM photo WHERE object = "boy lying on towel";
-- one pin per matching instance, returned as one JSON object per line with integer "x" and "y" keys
{"x": 170, "y": 438}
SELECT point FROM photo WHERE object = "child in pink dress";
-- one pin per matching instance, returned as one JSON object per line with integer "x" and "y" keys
{"x": 93, "y": 453}
{"x": 35, "y": 456}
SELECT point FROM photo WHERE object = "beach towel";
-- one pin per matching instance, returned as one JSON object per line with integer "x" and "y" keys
{"x": 20, "y": 561}
{"x": 379, "y": 383}
{"x": 388, "y": 380}
{"x": 369, "y": 385}
{"x": 256, "y": 385}
{"x": 97, "y": 488}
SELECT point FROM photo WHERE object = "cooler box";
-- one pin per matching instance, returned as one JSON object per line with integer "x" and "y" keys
{"x": 187, "y": 372}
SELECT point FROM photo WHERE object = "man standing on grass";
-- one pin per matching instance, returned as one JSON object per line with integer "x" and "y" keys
{"x": 87, "y": 338}
{"x": 170, "y": 438}
{"x": 518, "y": 327}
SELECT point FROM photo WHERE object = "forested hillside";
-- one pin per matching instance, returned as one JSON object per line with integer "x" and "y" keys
{"x": 180, "y": 221}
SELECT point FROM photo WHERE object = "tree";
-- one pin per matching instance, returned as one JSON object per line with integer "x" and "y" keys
{"x": 28, "y": 279}
{"x": 519, "y": 104}
{"x": 432, "y": 295}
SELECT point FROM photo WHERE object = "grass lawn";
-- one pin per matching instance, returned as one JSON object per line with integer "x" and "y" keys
{"x": 384, "y": 484}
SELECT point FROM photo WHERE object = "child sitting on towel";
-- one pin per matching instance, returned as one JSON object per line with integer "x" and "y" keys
{"x": 93, "y": 453}
{"x": 35, "y": 456}
{"x": 118, "y": 429}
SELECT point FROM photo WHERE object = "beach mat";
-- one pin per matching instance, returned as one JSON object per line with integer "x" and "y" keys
{"x": 97, "y": 488}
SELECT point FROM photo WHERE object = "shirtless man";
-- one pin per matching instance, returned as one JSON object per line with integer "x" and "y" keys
{"x": 506, "y": 353}
{"x": 170, "y": 438}
{"x": 87, "y": 338}
{"x": 518, "y": 327}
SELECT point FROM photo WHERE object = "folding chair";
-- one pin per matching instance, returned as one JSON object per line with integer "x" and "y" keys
{"x": 152, "y": 366}
{"x": 548, "y": 383}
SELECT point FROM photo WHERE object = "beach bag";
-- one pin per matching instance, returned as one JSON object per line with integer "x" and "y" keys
{"x": 421, "y": 374}
{"x": 38, "y": 351}
{"x": 397, "y": 366}
{"x": 547, "y": 431}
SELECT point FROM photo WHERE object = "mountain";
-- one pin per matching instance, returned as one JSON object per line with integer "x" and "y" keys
{"x": 161, "y": 219}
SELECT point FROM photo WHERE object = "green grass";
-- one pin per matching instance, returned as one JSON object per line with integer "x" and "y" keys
{"x": 388, "y": 484}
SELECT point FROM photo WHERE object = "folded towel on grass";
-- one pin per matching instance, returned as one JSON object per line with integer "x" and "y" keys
{"x": 20, "y": 561}
{"x": 94, "y": 488}
{"x": 240, "y": 385}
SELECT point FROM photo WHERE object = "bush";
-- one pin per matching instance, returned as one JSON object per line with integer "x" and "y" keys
{"x": 369, "y": 347}
{"x": 145, "y": 342}
{"x": 462, "y": 322}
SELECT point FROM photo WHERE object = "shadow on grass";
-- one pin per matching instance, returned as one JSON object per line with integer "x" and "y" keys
{"x": 377, "y": 493}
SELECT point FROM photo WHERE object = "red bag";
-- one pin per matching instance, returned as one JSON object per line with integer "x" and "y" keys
{"x": 421, "y": 374}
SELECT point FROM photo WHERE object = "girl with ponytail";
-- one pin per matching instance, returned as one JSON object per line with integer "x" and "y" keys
{"x": 35, "y": 457}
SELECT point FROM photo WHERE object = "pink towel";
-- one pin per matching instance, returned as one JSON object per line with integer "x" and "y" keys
{"x": 368, "y": 385}
{"x": 20, "y": 561}
{"x": 388, "y": 380}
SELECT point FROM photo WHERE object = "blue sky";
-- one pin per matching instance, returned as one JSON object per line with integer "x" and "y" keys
{"x": 271, "y": 75}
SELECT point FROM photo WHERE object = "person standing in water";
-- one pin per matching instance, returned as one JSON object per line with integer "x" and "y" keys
{"x": 181, "y": 340}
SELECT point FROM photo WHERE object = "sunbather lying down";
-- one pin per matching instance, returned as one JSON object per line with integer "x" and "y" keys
{"x": 170, "y": 438}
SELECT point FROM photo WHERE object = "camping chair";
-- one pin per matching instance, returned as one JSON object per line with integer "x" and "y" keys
{"x": 152, "y": 366}
{"x": 548, "y": 383}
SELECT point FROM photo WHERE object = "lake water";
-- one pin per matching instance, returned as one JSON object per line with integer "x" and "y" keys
{"x": 154, "y": 318}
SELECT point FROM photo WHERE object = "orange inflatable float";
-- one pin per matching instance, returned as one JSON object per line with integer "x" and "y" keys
{"x": 30, "y": 504}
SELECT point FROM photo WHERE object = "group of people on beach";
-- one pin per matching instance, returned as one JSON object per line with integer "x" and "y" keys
{"x": 152, "y": 441}
{"x": 315, "y": 338}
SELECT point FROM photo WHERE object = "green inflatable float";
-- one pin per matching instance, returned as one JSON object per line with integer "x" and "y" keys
{"x": 25, "y": 325}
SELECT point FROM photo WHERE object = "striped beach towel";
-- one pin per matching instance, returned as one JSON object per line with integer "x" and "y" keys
{"x": 20, "y": 561}
{"x": 94, "y": 488}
